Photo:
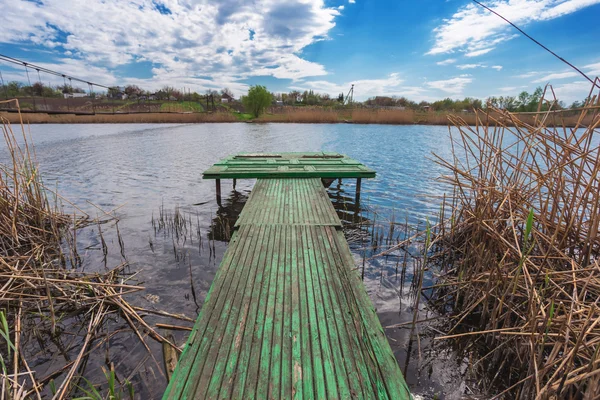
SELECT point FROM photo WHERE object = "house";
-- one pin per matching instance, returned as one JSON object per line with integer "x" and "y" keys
{"x": 119, "y": 96}
{"x": 73, "y": 95}
{"x": 226, "y": 98}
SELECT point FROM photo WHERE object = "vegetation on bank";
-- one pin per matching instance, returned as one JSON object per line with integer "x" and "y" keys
{"x": 257, "y": 100}
{"x": 51, "y": 305}
{"x": 518, "y": 257}
{"x": 132, "y": 98}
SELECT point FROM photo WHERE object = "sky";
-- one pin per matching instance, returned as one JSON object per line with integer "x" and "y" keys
{"x": 423, "y": 50}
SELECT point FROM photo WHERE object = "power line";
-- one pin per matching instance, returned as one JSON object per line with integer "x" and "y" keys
{"x": 49, "y": 71}
{"x": 538, "y": 43}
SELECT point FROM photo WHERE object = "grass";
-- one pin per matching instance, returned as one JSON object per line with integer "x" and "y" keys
{"x": 184, "y": 106}
{"x": 519, "y": 264}
{"x": 244, "y": 117}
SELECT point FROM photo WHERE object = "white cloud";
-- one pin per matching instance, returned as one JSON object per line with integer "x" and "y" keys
{"x": 476, "y": 53}
{"x": 592, "y": 69}
{"x": 391, "y": 85}
{"x": 351, "y": 1}
{"x": 573, "y": 91}
{"x": 556, "y": 76}
{"x": 453, "y": 86}
{"x": 476, "y": 31}
{"x": 447, "y": 62}
{"x": 341, "y": 8}
{"x": 508, "y": 89}
{"x": 478, "y": 65}
{"x": 470, "y": 66}
{"x": 529, "y": 74}
{"x": 186, "y": 40}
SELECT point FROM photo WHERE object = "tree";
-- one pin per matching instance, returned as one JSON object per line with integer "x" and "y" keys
{"x": 133, "y": 90}
{"x": 227, "y": 91}
{"x": 257, "y": 100}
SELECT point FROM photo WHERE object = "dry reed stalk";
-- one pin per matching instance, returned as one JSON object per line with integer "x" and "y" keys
{"x": 39, "y": 282}
{"x": 524, "y": 248}
{"x": 43, "y": 118}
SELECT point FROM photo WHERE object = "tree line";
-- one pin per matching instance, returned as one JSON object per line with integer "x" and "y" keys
{"x": 523, "y": 102}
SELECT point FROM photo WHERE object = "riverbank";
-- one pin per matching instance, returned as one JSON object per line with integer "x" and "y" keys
{"x": 299, "y": 115}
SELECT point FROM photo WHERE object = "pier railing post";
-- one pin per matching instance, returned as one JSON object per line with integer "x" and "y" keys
{"x": 218, "y": 184}
{"x": 357, "y": 198}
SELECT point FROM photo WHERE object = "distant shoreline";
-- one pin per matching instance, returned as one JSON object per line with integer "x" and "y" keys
{"x": 311, "y": 116}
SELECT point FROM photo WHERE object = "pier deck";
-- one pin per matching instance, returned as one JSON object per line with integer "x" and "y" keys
{"x": 287, "y": 315}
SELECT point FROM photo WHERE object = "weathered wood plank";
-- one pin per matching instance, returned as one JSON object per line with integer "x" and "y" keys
{"x": 287, "y": 315}
{"x": 288, "y": 165}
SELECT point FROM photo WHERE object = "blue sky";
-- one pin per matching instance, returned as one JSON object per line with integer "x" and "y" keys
{"x": 424, "y": 50}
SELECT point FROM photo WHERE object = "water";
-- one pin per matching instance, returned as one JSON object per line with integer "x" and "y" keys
{"x": 134, "y": 170}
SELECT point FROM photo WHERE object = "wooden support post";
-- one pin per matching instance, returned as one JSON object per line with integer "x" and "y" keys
{"x": 234, "y": 182}
{"x": 218, "y": 183}
{"x": 357, "y": 198}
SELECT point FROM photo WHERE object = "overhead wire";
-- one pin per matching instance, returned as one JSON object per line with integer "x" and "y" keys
{"x": 538, "y": 43}
{"x": 30, "y": 87}
{"x": 16, "y": 61}
{"x": 43, "y": 94}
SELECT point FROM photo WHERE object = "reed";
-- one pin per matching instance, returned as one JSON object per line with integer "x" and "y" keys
{"x": 521, "y": 249}
{"x": 41, "y": 288}
{"x": 304, "y": 115}
{"x": 141, "y": 118}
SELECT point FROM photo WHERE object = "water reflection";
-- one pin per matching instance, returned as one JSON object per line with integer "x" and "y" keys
{"x": 138, "y": 169}
{"x": 227, "y": 214}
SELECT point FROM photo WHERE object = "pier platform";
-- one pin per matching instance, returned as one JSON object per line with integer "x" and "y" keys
{"x": 287, "y": 315}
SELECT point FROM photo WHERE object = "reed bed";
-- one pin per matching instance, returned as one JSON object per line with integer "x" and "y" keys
{"x": 137, "y": 118}
{"x": 520, "y": 253}
{"x": 304, "y": 115}
{"x": 43, "y": 293}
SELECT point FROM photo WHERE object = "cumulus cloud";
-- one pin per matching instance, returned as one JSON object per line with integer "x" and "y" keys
{"x": 470, "y": 66}
{"x": 453, "y": 86}
{"x": 228, "y": 40}
{"x": 391, "y": 85}
{"x": 573, "y": 91}
{"x": 592, "y": 69}
{"x": 497, "y": 67}
{"x": 447, "y": 62}
{"x": 556, "y": 76}
{"x": 475, "y": 31}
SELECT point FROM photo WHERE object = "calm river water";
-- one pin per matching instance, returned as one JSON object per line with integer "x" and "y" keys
{"x": 139, "y": 169}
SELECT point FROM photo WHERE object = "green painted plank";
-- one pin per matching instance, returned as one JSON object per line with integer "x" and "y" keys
{"x": 237, "y": 362}
{"x": 199, "y": 333}
{"x": 395, "y": 386}
{"x": 287, "y": 316}
{"x": 303, "y": 200}
{"x": 216, "y": 327}
{"x": 327, "y": 358}
{"x": 247, "y": 389}
{"x": 315, "y": 345}
{"x": 290, "y": 165}
{"x": 273, "y": 173}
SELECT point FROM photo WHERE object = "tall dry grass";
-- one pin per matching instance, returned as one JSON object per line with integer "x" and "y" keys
{"x": 139, "y": 118}
{"x": 522, "y": 250}
{"x": 42, "y": 289}
{"x": 304, "y": 115}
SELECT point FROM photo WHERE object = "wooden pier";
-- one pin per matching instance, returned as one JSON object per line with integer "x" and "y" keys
{"x": 287, "y": 315}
